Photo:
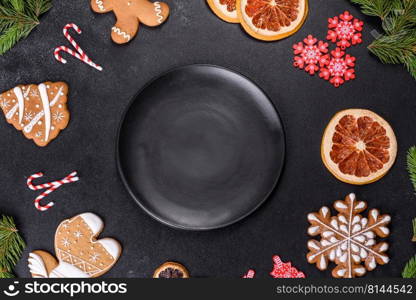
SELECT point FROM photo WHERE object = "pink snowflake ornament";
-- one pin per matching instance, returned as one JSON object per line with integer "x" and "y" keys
{"x": 310, "y": 55}
{"x": 284, "y": 270}
{"x": 345, "y": 29}
{"x": 339, "y": 68}
{"x": 250, "y": 274}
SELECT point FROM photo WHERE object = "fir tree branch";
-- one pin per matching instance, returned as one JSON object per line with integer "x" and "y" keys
{"x": 411, "y": 165}
{"x": 11, "y": 245}
{"x": 398, "y": 44}
{"x": 18, "y": 18}
{"x": 376, "y": 8}
{"x": 414, "y": 230}
{"x": 410, "y": 269}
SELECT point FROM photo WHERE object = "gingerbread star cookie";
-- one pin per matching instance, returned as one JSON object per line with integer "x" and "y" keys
{"x": 79, "y": 253}
{"x": 129, "y": 15}
{"x": 39, "y": 111}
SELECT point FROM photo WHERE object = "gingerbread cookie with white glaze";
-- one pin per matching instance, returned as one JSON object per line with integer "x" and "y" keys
{"x": 39, "y": 111}
{"x": 79, "y": 253}
{"x": 129, "y": 15}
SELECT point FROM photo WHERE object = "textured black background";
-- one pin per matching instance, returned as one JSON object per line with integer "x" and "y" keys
{"x": 194, "y": 35}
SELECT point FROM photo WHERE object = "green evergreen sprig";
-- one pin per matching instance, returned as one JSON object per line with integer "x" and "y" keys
{"x": 414, "y": 230}
{"x": 11, "y": 246}
{"x": 410, "y": 269}
{"x": 398, "y": 43}
{"x": 411, "y": 165}
{"x": 18, "y": 18}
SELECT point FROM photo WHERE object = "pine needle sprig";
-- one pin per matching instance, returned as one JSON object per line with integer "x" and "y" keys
{"x": 375, "y": 8}
{"x": 397, "y": 45}
{"x": 414, "y": 230}
{"x": 18, "y": 18}
{"x": 11, "y": 246}
{"x": 411, "y": 165}
{"x": 410, "y": 269}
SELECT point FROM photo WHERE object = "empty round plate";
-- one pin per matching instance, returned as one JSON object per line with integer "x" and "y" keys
{"x": 200, "y": 147}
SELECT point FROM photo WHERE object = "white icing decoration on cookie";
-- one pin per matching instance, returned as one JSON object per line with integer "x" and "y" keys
{"x": 158, "y": 11}
{"x": 20, "y": 101}
{"x": 28, "y": 128}
{"x": 341, "y": 272}
{"x": 46, "y": 110}
{"x": 111, "y": 246}
{"x": 36, "y": 266}
{"x": 93, "y": 221}
{"x": 66, "y": 270}
{"x": 100, "y": 5}
{"x": 118, "y": 31}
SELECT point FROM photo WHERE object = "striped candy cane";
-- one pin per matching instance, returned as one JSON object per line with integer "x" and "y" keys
{"x": 50, "y": 186}
{"x": 79, "y": 54}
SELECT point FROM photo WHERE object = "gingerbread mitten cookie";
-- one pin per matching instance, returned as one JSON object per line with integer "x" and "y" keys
{"x": 79, "y": 253}
{"x": 129, "y": 14}
{"x": 39, "y": 111}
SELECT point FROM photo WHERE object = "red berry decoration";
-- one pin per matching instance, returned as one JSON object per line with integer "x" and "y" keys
{"x": 284, "y": 270}
{"x": 339, "y": 68}
{"x": 345, "y": 29}
{"x": 310, "y": 55}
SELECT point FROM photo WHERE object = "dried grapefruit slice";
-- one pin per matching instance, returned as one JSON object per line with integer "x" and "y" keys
{"x": 358, "y": 146}
{"x": 271, "y": 20}
{"x": 225, "y": 10}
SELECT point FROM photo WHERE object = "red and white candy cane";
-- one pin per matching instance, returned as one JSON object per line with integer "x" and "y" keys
{"x": 50, "y": 186}
{"x": 79, "y": 53}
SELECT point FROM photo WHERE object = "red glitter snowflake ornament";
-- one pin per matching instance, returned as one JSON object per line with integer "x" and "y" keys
{"x": 339, "y": 68}
{"x": 284, "y": 270}
{"x": 345, "y": 29}
{"x": 309, "y": 55}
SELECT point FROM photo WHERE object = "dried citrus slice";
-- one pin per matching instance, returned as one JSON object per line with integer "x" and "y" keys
{"x": 358, "y": 146}
{"x": 171, "y": 270}
{"x": 271, "y": 20}
{"x": 225, "y": 10}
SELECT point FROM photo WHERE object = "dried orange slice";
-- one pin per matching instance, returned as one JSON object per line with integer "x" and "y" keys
{"x": 171, "y": 270}
{"x": 225, "y": 10}
{"x": 271, "y": 20}
{"x": 358, "y": 146}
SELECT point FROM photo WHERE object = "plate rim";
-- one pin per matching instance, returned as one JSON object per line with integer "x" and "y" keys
{"x": 199, "y": 228}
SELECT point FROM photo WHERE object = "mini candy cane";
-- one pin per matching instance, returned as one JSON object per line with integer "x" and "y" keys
{"x": 80, "y": 54}
{"x": 50, "y": 186}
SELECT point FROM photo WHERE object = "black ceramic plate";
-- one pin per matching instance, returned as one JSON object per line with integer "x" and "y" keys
{"x": 200, "y": 147}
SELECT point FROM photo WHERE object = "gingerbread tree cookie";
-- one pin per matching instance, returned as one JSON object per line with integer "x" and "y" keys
{"x": 39, "y": 111}
{"x": 348, "y": 239}
{"x": 129, "y": 14}
{"x": 79, "y": 253}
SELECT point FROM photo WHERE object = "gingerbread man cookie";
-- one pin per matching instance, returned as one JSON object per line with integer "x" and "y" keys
{"x": 129, "y": 14}
{"x": 79, "y": 253}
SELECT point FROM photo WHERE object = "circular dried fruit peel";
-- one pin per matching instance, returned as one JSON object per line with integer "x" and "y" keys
{"x": 225, "y": 10}
{"x": 171, "y": 270}
{"x": 293, "y": 12}
{"x": 358, "y": 146}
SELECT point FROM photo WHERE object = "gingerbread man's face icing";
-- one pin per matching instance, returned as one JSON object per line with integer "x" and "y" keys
{"x": 129, "y": 14}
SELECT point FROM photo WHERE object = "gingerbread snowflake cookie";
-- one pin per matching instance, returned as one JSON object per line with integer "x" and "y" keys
{"x": 129, "y": 15}
{"x": 79, "y": 253}
{"x": 348, "y": 239}
{"x": 39, "y": 111}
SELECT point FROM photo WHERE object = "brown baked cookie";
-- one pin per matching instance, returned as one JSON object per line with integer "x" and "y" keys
{"x": 42, "y": 263}
{"x": 79, "y": 253}
{"x": 348, "y": 239}
{"x": 129, "y": 14}
{"x": 39, "y": 111}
